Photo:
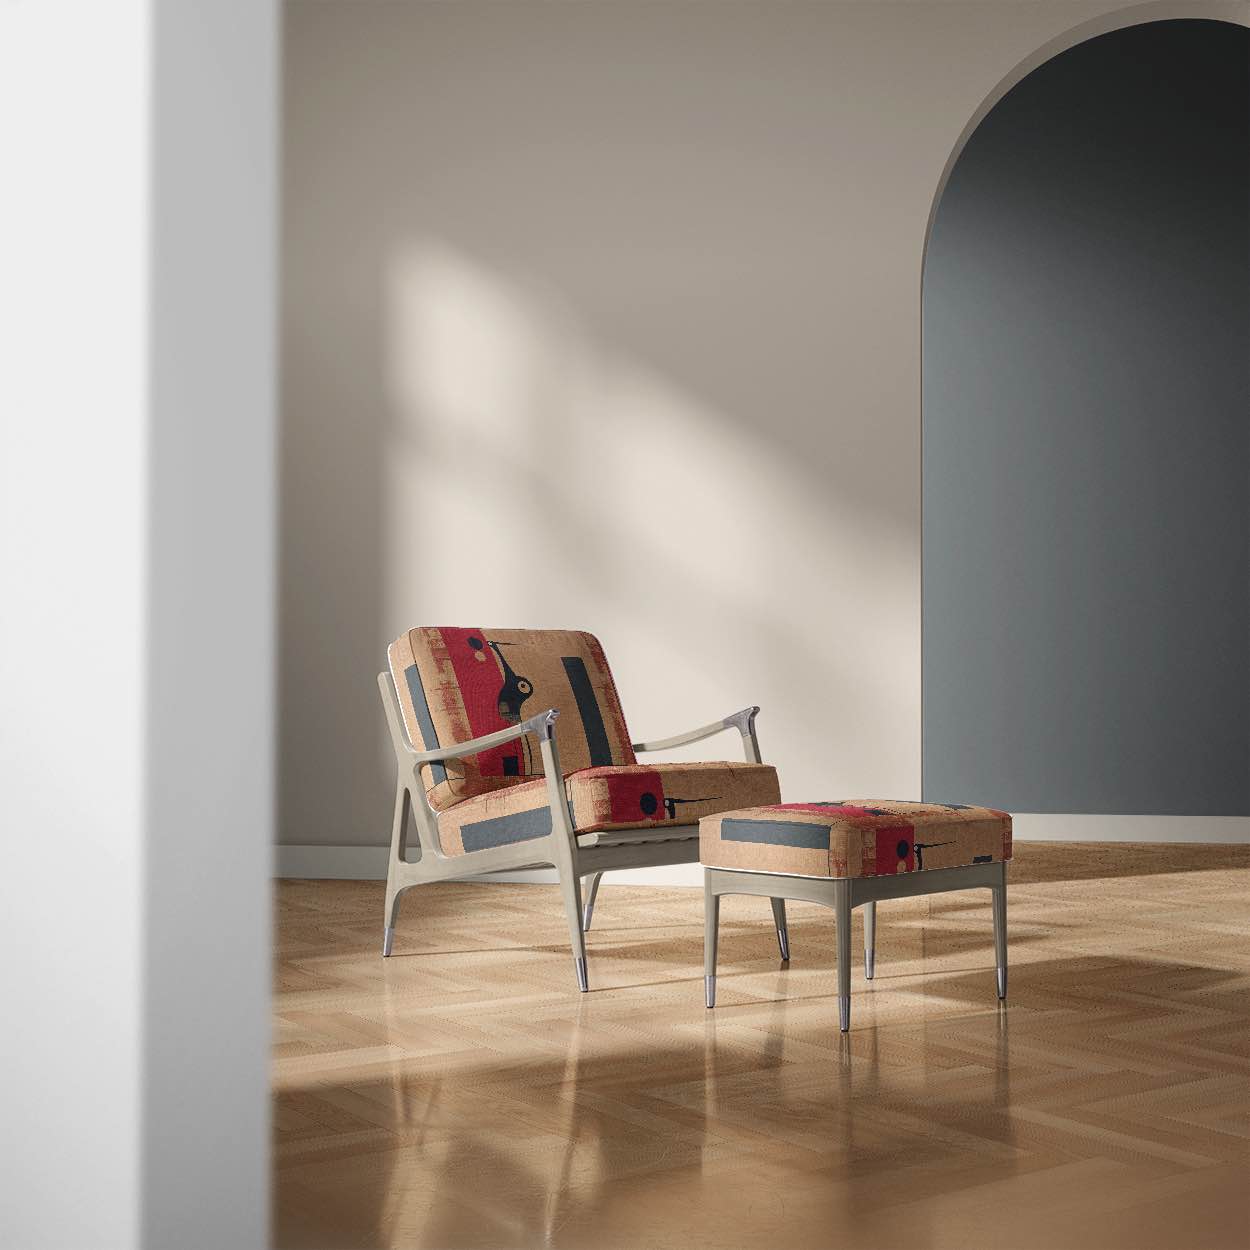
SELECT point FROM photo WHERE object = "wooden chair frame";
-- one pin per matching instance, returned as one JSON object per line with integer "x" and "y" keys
{"x": 574, "y": 856}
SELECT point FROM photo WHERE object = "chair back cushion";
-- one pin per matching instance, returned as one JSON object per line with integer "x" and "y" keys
{"x": 455, "y": 684}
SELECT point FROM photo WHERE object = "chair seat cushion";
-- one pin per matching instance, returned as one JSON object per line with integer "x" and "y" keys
{"x": 854, "y": 838}
{"x": 632, "y": 796}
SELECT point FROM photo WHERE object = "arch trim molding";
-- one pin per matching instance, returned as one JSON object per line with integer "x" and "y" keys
{"x": 1235, "y": 12}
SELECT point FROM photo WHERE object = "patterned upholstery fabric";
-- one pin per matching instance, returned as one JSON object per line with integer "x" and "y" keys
{"x": 455, "y": 684}
{"x": 631, "y": 797}
{"x": 854, "y": 838}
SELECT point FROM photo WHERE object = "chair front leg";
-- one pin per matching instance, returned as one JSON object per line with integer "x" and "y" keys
{"x": 564, "y": 854}
{"x": 571, "y": 890}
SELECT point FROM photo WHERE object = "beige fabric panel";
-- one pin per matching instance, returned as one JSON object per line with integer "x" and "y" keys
{"x": 803, "y": 861}
{"x": 512, "y": 814}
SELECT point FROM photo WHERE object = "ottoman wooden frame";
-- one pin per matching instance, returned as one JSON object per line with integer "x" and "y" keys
{"x": 843, "y": 895}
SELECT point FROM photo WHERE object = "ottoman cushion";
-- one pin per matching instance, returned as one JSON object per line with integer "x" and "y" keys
{"x": 854, "y": 838}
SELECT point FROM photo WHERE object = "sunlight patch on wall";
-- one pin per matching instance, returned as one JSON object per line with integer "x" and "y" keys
{"x": 534, "y": 476}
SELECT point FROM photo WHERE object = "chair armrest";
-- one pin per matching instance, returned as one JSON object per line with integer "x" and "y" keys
{"x": 743, "y": 722}
{"x": 543, "y": 725}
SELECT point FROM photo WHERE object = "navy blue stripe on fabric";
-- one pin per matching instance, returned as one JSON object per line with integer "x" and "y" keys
{"x": 501, "y": 830}
{"x": 777, "y": 832}
{"x": 592, "y": 718}
{"x": 425, "y": 722}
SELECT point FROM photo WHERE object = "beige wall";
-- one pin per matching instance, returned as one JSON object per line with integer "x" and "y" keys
{"x": 608, "y": 316}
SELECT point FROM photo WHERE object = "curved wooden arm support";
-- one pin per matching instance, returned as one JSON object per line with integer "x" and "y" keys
{"x": 543, "y": 725}
{"x": 743, "y": 722}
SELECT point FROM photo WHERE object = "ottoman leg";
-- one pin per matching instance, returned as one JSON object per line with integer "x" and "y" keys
{"x": 783, "y": 934}
{"x": 999, "y": 893}
{"x": 870, "y": 940}
{"x": 842, "y": 918}
{"x": 711, "y": 925}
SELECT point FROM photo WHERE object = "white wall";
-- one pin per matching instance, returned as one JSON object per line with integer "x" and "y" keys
{"x": 136, "y": 493}
{"x": 608, "y": 316}
{"x": 73, "y": 513}
{"x": 211, "y": 615}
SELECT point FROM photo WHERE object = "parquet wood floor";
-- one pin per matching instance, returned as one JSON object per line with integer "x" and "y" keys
{"x": 463, "y": 1094}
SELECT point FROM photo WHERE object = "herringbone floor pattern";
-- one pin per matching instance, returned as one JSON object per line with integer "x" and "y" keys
{"x": 463, "y": 1094}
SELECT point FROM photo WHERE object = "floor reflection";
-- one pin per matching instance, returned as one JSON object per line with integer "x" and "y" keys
{"x": 463, "y": 1094}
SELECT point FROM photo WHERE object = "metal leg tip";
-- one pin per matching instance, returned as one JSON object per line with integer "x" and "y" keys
{"x": 844, "y": 1012}
{"x": 587, "y": 912}
{"x": 783, "y": 942}
{"x": 709, "y": 991}
{"x": 870, "y": 965}
{"x": 580, "y": 965}
{"x": 388, "y": 940}
{"x": 1002, "y": 983}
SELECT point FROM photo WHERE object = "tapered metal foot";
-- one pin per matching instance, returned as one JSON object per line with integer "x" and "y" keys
{"x": 580, "y": 965}
{"x": 388, "y": 940}
{"x": 870, "y": 964}
{"x": 588, "y": 908}
{"x": 1002, "y": 983}
{"x": 844, "y": 1012}
{"x": 709, "y": 991}
{"x": 783, "y": 930}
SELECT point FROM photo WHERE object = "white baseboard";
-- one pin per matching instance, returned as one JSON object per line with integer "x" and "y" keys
{"x": 337, "y": 863}
{"x": 368, "y": 863}
{"x": 1047, "y": 827}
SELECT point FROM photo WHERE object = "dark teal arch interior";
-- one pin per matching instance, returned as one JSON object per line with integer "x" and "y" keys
{"x": 1087, "y": 437}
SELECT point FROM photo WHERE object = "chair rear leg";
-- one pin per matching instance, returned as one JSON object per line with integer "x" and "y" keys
{"x": 399, "y": 828}
{"x": 783, "y": 933}
{"x": 591, "y": 890}
{"x": 870, "y": 940}
{"x": 571, "y": 890}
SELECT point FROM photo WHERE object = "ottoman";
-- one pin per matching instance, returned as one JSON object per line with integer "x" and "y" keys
{"x": 851, "y": 854}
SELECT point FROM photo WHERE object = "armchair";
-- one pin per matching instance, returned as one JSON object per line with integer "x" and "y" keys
{"x": 482, "y": 799}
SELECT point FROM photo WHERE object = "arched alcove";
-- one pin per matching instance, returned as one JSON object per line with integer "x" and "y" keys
{"x": 1087, "y": 436}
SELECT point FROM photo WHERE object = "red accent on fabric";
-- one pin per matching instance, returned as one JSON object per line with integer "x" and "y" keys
{"x": 625, "y": 796}
{"x": 826, "y": 809}
{"x": 888, "y": 858}
{"x": 479, "y": 682}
